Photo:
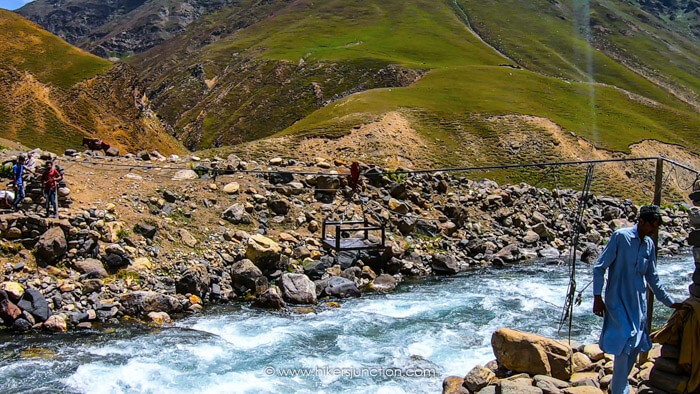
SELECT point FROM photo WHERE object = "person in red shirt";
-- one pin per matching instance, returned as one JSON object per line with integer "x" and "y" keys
{"x": 50, "y": 178}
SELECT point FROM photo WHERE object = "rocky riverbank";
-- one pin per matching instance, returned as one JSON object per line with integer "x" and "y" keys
{"x": 151, "y": 243}
{"x": 531, "y": 364}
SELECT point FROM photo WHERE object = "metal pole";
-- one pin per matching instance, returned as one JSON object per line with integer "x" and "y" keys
{"x": 658, "y": 181}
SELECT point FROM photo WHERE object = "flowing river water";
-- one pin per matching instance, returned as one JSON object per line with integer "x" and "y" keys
{"x": 442, "y": 324}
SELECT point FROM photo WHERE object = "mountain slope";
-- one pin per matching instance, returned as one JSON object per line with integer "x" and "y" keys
{"x": 289, "y": 59}
{"x": 55, "y": 94}
{"x": 117, "y": 27}
{"x": 614, "y": 72}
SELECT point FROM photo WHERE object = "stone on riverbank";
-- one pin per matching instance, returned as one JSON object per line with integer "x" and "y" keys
{"x": 263, "y": 252}
{"x": 51, "y": 246}
{"x": 56, "y": 323}
{"x": 246, "y": 277}
{"x": 298, "y": 289}
{"x": 140, "y": 303}
{"x": 34, "y": 302}
{"x": 530, "y": 353}
{"x": 194, "y": 281}
{"x": 478, "y": 378}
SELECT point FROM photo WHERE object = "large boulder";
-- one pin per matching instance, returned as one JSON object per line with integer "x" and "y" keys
{"x": 236, "y": 214}
{"x": 91, "y": 268}
{"x": 246, "y": 277}
{"x": 383, "y": 283}
{"x": 194, "y": 281}
{"x": 141, "y": 303}
{"x": 270, "y": 299}
{"x": 263, "y": 252}
{"x": 444, "y": 264}
{"x": 51, "y": 246}
{"x": 33, "y": 301}
{"x": 341, "y": 287}
{"x": 523, "y": 352}
{"x": 298, "y": 289}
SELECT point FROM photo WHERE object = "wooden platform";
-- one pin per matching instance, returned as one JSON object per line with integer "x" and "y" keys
{"x": 352, "y": 244}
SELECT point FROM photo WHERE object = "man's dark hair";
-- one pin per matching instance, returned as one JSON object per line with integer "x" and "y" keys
{"x": 650, "y": 214}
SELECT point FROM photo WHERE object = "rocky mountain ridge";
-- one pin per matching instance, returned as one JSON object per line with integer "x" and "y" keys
{"x": 117, "y": 28}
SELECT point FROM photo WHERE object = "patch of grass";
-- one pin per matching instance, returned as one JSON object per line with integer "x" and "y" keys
{"x": 6, "y": 171}
{"x": 396, "y": 177}
{"x": 603, "y": 115}
{"x": 125, "y": 274}
{"x": 122, "y": 233}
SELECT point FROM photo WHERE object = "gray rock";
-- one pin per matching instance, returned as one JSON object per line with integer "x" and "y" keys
{"x": 22, "y": 325}
{"x": 195, "y": 281}
{"x": 236, "y": 214}
{"x": 443, "y": 264}
{"x": 141, "y": 303}
{"x": 549, "y": 253}
{"x": 146, "y": 230}
{"x": 52, "y": 245}
{"x": 298, "y": 289}
{"x": 246, "y": 277}
{"x": 315, "y": 269}
{"x": 384, "y": 283}
{"x": 269, "y": 299}
{"x": 92, "y": 268}
{"x": 341, "y": 287}
{"x": 281, "y": 177}
{"x": 33, "y": 301}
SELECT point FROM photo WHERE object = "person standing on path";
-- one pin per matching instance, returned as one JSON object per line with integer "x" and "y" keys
{"x": 18, "y": 171}
{"x": 630, "y": 259}
{"x": 50, "y": 178}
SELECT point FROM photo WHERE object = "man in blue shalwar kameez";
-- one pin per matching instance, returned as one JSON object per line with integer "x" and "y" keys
{"x": 630, "y": 260}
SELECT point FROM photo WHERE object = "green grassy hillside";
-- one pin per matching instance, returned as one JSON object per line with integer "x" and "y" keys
{"x": 610, "y": 72}
{"x": 602, "y": 114}
{"x": 51, "y": 60}
{"x": 417, "y": 33}
{"x": 593, "y": 41}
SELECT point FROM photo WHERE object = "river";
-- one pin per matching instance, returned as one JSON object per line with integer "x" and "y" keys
{"x": 436, "y": 324}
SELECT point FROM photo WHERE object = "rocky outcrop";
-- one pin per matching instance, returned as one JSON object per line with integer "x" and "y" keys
{"x": 530, "y": 354}
{"x": 117, "y": 27}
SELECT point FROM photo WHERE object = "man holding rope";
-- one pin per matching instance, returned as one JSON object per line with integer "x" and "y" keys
{"x": 630, "y": 259}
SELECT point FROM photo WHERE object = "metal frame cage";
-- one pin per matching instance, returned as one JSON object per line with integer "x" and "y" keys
{"x": 338, "y": 243}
